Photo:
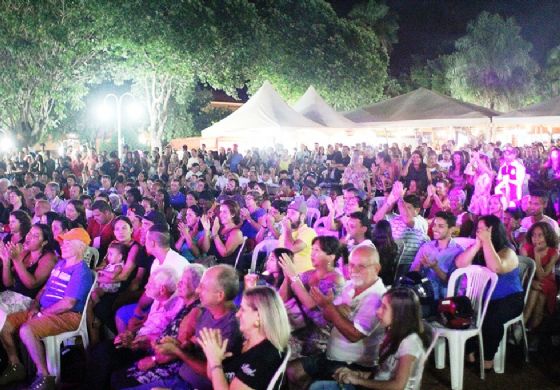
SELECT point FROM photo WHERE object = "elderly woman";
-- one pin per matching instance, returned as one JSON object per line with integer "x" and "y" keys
{"x": 151, "y": 368}
{"x": 492, "y": 250}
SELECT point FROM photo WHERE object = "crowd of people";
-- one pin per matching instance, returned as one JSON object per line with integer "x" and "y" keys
{"x": 177, "y": 303}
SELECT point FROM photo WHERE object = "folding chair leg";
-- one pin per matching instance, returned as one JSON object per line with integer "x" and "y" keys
{"x": 456, "y": 361}
{"x": 439, "y": 353}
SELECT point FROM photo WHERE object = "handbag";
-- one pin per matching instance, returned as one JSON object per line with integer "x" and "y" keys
{"x": 456, "y": 312}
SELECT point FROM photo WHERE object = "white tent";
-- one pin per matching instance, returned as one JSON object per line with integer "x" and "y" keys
{"x": 313, "y": 107}
{"x": 422, "y": 108}
{"x": 265, "y": 119}
{"x": 544, "y": 113}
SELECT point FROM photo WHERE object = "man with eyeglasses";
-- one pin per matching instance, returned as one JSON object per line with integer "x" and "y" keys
{"x": 356, "y": 334}
{"x": 511, "y": 176}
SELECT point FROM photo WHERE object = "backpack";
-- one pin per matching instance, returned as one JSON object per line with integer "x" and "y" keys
{"x": 423, "y": 288}
{"x": 456, "y": 312}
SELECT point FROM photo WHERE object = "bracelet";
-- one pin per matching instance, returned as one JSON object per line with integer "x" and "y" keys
{"x": 295, "y": 278}
{"x": 215, "y": 367}
{"x": 154, "y": 359}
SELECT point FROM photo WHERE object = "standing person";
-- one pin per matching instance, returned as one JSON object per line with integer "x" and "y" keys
{"x": 402, "y": 352}
{"x": 416, "y": 170}
{"x": 541, "y": 246}
{"x": 456, "y": 172}
{"x": 491, "y": 249}
{"x": 511, "y": 177}
{"x": 483, "y": 178}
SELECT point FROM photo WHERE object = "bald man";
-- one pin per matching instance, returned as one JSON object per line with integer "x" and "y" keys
{"x": 356, "y": 334}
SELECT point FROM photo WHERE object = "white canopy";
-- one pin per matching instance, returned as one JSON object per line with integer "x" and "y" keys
{"x": 544, "y": 113}
{"x": 422, "y": 108}
{"x": 265, "y": 114}
{"x": 313, "y": 107}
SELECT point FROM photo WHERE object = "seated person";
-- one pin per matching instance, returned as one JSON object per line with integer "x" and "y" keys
{"x": 402, "y": 353}
{"x": 311, "y": 330}
{"x": 56, "y": 309}
{"x": 149, "y": 368}
{"x": 358, "y": 231}
{"x": 129, "y": 345}
{"x": 356, "y": 335}
{"x": 107, "y": 276}
{"x": 436, "y": 259}
{"x": 217, "y": 289}
{"x": 264, "y": 324}
{"x": 297, "y": 236}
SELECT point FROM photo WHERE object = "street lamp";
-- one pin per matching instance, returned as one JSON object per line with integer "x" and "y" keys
{"x": 133, "y": 109}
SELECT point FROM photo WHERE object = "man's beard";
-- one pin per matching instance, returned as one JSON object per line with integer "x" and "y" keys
{"x": 296, "y": 224}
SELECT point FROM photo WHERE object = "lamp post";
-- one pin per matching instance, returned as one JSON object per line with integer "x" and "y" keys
{"x": 119, "y": 100}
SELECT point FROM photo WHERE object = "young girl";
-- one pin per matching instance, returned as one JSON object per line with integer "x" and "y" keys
{"x": 107, "y": 275}
{"x": 402, "y": 352}
{"x": 541, "y": 246}
{"x": 483, "y": 177}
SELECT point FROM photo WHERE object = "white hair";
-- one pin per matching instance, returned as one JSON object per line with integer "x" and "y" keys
{"x": 165, "y": 277}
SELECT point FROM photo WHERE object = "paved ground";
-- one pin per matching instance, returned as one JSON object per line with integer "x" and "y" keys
{"x": 542, "y": 372}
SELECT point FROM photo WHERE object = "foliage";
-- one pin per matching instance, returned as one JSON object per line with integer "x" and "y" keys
{"x": 48, "y": 50}
{"x": 491, "y": 65}
{"x": 376, "y": 16}
{"x": 308, "y": 44}
{"x": 431, "y": 75}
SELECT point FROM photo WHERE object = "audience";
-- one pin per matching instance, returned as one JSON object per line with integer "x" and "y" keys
{"x": 154, "y": 215}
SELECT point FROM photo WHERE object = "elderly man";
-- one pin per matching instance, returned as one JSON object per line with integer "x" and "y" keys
{"x": 356, "y": 335}
{"x": 52, "y": 190}
{"x": 57, "y": 309}
{"x": 217, "y": 289}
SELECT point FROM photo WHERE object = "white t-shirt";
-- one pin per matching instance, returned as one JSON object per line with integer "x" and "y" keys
{"x": 399, "y": 226}
{"x": 173, "y": 261}
{"x": 366, "y": 351}
{"x": 411, "y": 345}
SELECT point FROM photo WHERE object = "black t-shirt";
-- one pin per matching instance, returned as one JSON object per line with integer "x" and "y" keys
{"x": 255, "y": 367}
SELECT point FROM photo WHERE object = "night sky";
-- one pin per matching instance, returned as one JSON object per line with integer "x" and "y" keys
{"x": 429, "y": 28}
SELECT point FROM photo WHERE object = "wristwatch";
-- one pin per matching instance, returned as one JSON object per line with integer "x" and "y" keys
{"x": 295, "y": 278}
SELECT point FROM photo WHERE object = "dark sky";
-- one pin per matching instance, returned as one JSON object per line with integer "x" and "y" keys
{"x": 428, "y": 28}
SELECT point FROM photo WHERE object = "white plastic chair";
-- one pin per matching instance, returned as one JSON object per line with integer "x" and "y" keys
{"x": 263, "y": 246}
{"x": 52, "y": 343}
{"x": 526, "y": 272}
{"x": 481, "y": 283}
{"x": 276, "y": 381}
{"x": 91, "y": 257}
{"x": 312, "y": 216}
{"x": 240, "y": 251}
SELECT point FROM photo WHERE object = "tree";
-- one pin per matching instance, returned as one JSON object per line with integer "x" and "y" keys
{"x": 491, "y": 65}
{"x": 167, "y": 47}
{"x": 431, "y": 75}
{"x": 48, "y": 52}
{"x": 376, "y": 16}
{"x": 308, "y": 44}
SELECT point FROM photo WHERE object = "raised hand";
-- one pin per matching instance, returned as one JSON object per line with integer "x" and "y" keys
{"x": 205, "y": 221}
{"x": 287, "y": 265}
{"x": 213, "y": 345}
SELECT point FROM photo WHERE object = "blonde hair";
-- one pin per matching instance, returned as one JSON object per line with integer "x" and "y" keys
{"x": 272, "y": 312}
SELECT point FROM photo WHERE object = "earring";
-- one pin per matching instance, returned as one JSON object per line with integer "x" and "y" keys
{"x": 257, "y": 324}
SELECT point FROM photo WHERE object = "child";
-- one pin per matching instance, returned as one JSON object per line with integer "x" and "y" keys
{"x": 107, "y": 275}
{"x": 541, "y": 245}
{"x": 402, "y": 352}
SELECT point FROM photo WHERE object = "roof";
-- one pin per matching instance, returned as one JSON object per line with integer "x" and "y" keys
{"x": 547, "y": 112}
{"x": 419, "y": 108}
{"x": 314, "y": 107}
{"x": 265, "y": 110}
